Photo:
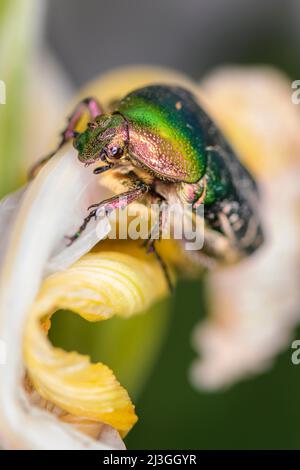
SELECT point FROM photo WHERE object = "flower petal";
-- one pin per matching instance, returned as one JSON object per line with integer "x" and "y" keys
{"x": 53, "y": 204}
{"x": 255, "y": 304}
{"x": 98, "y": 286}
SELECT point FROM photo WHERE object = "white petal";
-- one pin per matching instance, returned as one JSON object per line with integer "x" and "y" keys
{"x": 53, "y": 206}
{"x": 8, "y": 208}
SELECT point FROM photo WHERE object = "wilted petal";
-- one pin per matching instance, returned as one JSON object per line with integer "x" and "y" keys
{"x": 53, "y": 204}
{"x": 99, "y": 285}
{"x": 255, "y": 304}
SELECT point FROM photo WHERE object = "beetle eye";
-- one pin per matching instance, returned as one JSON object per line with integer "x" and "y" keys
{"x": 116, "y": 152}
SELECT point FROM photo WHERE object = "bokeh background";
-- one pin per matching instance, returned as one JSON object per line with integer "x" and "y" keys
{"x": 192, "y": 36}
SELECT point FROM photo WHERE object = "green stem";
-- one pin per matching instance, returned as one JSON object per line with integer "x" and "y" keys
{"x": 19, "y": 20}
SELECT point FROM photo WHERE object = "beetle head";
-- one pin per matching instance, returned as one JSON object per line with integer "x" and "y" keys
{"x": 105, "y": 138}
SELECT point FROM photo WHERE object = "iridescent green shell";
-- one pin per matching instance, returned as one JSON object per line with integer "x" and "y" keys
{"x": 171, "y": 136}
{"x": 167, "y": 132}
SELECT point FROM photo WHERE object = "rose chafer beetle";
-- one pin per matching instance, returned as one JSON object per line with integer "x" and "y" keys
{"x": 165, "y": 143}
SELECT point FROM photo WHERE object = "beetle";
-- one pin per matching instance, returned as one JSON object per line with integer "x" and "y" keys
{"x": 164, "y": 141}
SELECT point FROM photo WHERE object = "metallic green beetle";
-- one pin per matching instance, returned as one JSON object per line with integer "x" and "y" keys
{"x": 165, "y": 142}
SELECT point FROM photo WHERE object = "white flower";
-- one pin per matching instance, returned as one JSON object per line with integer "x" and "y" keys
{"x": 255, "y": 304}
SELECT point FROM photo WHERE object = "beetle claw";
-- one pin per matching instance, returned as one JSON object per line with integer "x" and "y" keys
{"x": 102, "y": 169}
{"x": 92, "y": 206}
{"x": 71, "y": 239}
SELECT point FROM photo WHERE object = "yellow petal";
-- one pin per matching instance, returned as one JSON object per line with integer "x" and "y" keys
{"x": 96, "y": 287}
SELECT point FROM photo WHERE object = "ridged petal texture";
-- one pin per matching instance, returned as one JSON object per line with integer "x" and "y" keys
{"x": 99, "y": 285}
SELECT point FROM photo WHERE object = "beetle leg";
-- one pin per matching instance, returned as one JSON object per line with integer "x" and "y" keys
{"x": 102, "y": 169}
{"x": 151, "y": 248}
{"x": 108, "y": 205}
{"x": 203, "y": 194}
{"x": 90, "y": 216}
{"x": 150, "y": 245}
{"x": 89, "y": 105}
{"x": 227, "y": 228}
{"x": 193, "y": 193}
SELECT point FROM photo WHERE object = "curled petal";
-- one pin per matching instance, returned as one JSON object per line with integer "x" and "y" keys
{"x": 99, "y": 285}
{"x": 53, "y": 204}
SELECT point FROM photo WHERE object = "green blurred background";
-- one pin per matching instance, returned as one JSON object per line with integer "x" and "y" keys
{"x": 87, "y": 38}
